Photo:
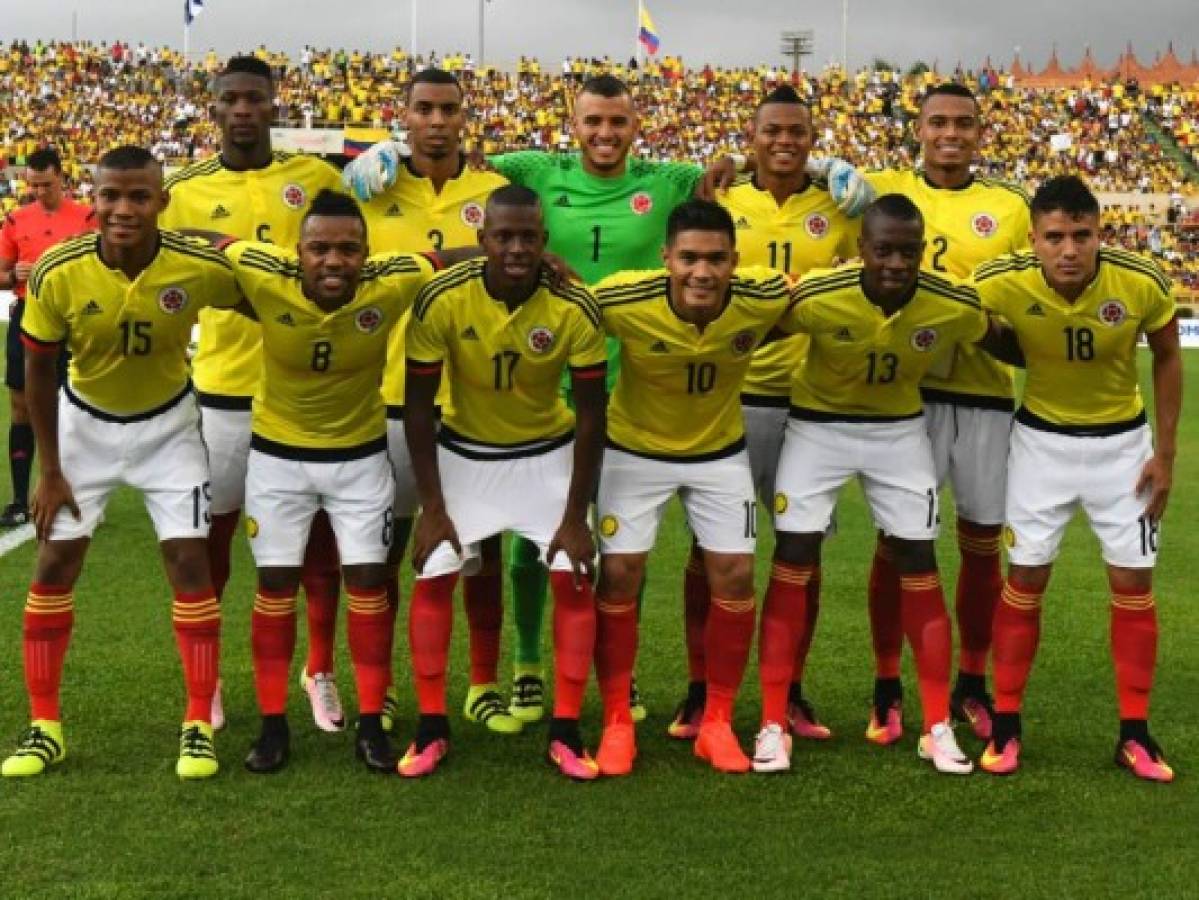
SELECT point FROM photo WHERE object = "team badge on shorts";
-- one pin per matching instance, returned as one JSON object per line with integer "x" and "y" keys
{"x": 540, "y": 339}
{"x": 472, "y": 215}
{"x": 609, "y": 526}
{"x": 816, "y": 225}
{"x": 743, "y": 342}
{"x": 641, "y": 203}
{"x": 984, "y": 225}
{"x": 780, "y": 503}
{"x": 172, "y": 300}
{"x": 1009, "y": 537}
{"x": 1112, "y": 313}
{"x": 369, "y": 319}
{"x": 924, "y": 339}
{"x": 294, "y": 196}
{"x": 251, "y": 527}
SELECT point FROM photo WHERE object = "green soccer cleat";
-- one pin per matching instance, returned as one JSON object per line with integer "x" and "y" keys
{"x": 528, "y": 693}
{"x": 39, "y": 746}
{"x": 391, "y": 709}
{"x": 197, "y": 754}
{"x": 485, "y": 706}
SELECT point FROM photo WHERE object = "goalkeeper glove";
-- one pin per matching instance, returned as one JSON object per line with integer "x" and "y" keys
{"x": 374, "y": 171}
{"x": 846, "y": 185}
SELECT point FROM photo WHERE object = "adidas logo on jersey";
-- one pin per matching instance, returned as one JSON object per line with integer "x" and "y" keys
{"x": 285, "y": 319}
{"x": 393, "y": 211}
{"x": 842, "y": 334}
{"x": 742, "y": 223}
{"x": 1035, "y": 310}
{"x": 659, "y": 347}
{"x": 219, "y": 212}
{"x": 92, "y": 309}
{"x": 563, "y": 200}
{"x": 469, "y": 334}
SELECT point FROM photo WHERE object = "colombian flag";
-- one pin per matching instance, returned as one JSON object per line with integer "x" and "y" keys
{"x": 648, "y": 34}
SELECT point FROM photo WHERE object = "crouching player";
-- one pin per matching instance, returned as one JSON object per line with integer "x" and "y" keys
{"x": 1081, "y": 440}
{"x": 123, "y": 302}
{"x": 510, "y": 456}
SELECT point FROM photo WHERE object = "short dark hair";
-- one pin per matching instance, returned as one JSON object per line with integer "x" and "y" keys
{"x": 127, "y": 158}
{"x": 247, "y": 65}
{"x": 893, "y": 206}
{"x": 949, "y": 89}
{"x": 700, "y": 215}
{"x": 605, "y": 85}
{"x": 43, "y": 159}
{"x": 783, "y": 94}
{"x": 514, "y": 195}
{"x": 434, "y": 76}
{"x": 334, "y": 203}
{"x": 1064, "y": 193}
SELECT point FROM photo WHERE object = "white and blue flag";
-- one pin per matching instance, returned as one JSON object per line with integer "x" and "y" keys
{"x": 191, "y": 9}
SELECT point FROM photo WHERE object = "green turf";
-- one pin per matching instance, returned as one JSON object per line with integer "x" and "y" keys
{"x": 113, "y": 821}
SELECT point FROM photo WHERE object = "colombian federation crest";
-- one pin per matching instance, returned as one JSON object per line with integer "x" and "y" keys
{"x": 816, "y": 225}
{"x": 540, "y": 339}
{"x": 984, "y": 225}
{"x": 1112, "y": 313}
{"x": 172, "y": 300}
{"x": 608, "y": 526}
{"x": 294, "y": 196}
{"x": 472, "y": 215}
{"x": 743, "y": 342}
{"x": 924, "y": 339}
{"x": 368, "y": 319}
{"x": 641, "y": 203}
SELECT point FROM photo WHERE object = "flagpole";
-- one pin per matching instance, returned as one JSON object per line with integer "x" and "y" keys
{"x": 637, "y": 54}
{"x": 414, "y": 2}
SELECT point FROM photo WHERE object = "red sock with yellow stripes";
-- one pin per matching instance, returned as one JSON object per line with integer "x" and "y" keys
{"x": 1017, "y": 631}
{"x": 484, "y": 601}
{"x": 320, "y": 574}
{"x": 979, "y": 586}
{"x": 197, "y": 620}
{"x": 392, "y": 585}
{"x": 696, "y": 599}
{"x": 430, "y": 623}
{"x": 615, "y": 653}
{"x": 886, "y": 619}
{"x": 728, "y": 637}
{"x": 1134, "y": 651}
{"x": 49, "y": 618}
{"x": 926, "y": 624}
{"x": 574, "y": 642}
{"x": 368, "y": 630}
{"x": 272, "y": 643}
{"x": 784, "y": 611}
{"x": 811, "y": 614}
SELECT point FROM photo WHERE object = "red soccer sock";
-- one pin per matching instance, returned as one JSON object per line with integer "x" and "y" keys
{"x": 784, "y": 611}
{"x": 197, "y": 620}
{"x": 811, "y": 614}
{"x": 729, "y": 635}
{"x": 220, "y": 547}
{"x": 926, "y": 624}
{"x": 393, "y": 609}
{"x": 979, "y": 585}
{"x": 574, "y": 642}
{"x": 484, "y": 600}
{"x": 615, "y": 653}
{"x": 886, "y": 620}
{"x": 321, "y": 577}
{"x": 430, "y": 621}
{"x": 272, "y": 642}
{"x": 49, "y": 617}
{"x": 368, "y": 629}
{"x": 1134, "y": 651}
{"x": 696, "y": 599}
{"x": 1017, "y": 630}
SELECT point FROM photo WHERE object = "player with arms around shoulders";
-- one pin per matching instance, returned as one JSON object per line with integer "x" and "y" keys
{"x": 123, "y": 302}
{"x": 1081, "y": 439}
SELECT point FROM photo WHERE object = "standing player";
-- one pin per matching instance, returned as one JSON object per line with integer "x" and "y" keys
{"x": 1081, "y": 440}
{"x": 252, "y": 193}
{"x": 512, "y": 457}
{"x": 26, "y": 234}
{"x": 968, "y": 401}
{"x": 875, "y": 329}
{"x": 124, "y": 302}
{"x": 790, "y": 224}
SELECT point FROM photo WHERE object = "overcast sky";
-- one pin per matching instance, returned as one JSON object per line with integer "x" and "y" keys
{"x": 718, "y": 31}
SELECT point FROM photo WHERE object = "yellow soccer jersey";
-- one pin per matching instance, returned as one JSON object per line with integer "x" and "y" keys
{"x": 677, "y": 396}
{"x": 1081, "y": 356}
{"x": 806, "y": 232}
{"x": 253, "y": 205}
{"x": 318, "y": 397}
{"x": 128, "y": 339}
{"x": 507, "y": 365}
{"x": 964, "y": 228}
{"x": 863, "y": 365}
{"x": 411, "y": 216}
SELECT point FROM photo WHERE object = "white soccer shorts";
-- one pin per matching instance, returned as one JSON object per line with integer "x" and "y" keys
{"x": 893, "y": 461}
{"x": 970, "y": 450}
{"x": 282, "y": 496}
{"x": 717, "y": 496}
{"x": 161, "y": 455}
{"x": 764, "y": 430}
{"x": 484, "y": 497}
{"x": 227, "y": 436}
{"x": 1050, "y": 475}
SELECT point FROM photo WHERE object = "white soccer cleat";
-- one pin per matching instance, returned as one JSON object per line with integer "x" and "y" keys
{"x": 941, "y": 747}
{"x": 772, "y": 749}
{"x": 326, "y": 704}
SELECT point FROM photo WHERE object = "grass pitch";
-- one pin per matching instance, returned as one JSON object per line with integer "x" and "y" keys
{"x": 113, "y": 821}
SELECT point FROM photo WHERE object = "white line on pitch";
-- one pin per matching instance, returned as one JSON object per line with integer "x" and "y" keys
{"x": 15, "y": 539}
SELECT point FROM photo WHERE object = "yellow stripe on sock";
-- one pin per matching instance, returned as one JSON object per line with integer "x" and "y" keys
{"x": 1134, "y": 602}
{"x": 1020, "y": 599}
{"x": 734, "y": 606}
{"x": 274, "y": 606}
{"x": 611, "y": 608}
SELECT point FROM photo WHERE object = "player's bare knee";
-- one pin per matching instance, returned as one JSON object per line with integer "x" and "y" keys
{"x": 731, "y": 575}
{"x": 186, "y": 561}
{"x": 1123, "y": 580}
{"x": 621, "y": 574}
{"x": 490, "y": 556}
{"x": 365, "y": 577}
{"x": 59, "y": 562}
{"x": 798, "y": 548}
{"x": 914, "y": 556}
{"x": 280, "y": 579}
{"x": 1029, "y": 578}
